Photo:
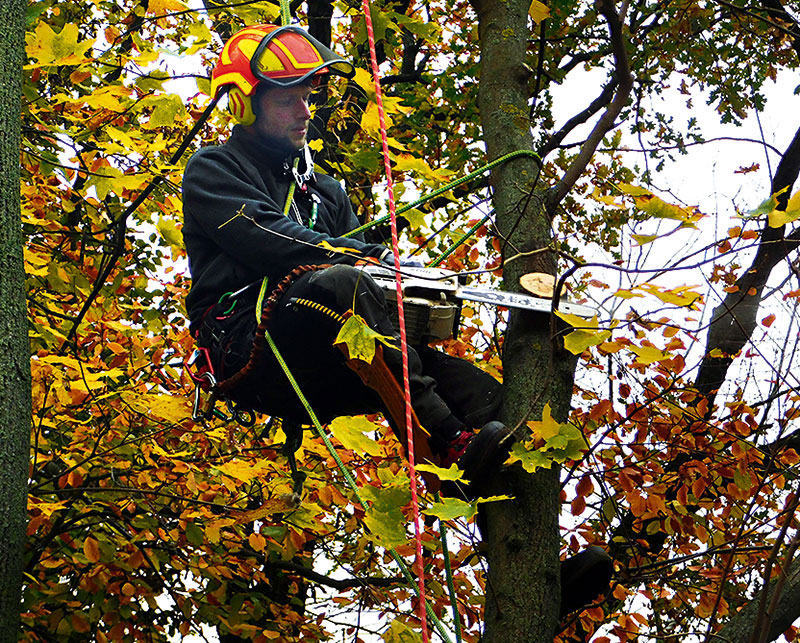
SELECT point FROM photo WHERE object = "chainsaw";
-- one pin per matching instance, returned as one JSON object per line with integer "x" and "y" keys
{"x": 432, "y": 300}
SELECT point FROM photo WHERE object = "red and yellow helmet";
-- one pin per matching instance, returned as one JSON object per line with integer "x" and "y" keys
{"x": 279, "y": 56}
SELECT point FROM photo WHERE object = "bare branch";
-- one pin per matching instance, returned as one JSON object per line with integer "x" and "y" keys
{"x": 335, "y": 583}
{"x": 734, "y": 320}
{"x": 624, "y": 82}
{"x": 787, "y": 609}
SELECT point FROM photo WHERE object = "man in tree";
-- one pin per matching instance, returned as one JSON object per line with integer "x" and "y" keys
{"x": 256, "y": 216}
{"x": 254, "y": 208}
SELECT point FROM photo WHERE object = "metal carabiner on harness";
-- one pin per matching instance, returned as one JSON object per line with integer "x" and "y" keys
{"x": 205, "y": 380}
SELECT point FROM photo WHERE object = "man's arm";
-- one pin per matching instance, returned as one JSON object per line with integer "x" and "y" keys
{"x": 222, "y": 203}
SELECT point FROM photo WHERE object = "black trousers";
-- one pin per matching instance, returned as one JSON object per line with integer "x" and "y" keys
{"x": 447, "y": 393}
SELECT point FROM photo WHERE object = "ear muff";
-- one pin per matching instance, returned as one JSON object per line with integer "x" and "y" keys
{"x": 241, "y": 106}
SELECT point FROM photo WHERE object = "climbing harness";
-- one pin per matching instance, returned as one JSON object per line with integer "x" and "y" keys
{"x": 201, "y": 371}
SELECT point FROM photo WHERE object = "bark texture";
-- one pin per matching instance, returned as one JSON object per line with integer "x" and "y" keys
{"x": 15, "y": 400}
{"x": 522, "y": 595}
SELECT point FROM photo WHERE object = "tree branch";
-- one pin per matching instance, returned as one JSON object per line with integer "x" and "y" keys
{"x": 739, "y": 628}
{"x": 624, "y": 83}
{"x": 335, "y": 583}
{"x": 734, "y": 320}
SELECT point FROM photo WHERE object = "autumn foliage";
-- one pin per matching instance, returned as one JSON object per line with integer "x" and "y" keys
{"x": 146, "y": 525}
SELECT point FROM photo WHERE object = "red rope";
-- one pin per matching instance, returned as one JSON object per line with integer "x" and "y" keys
{"x": 418, "y": 564}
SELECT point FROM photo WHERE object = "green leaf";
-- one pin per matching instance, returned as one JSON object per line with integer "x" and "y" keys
{"x": 452, "y": 508}
{"x": 531, "y": 460}
{"x": 399, "y": 632}
{"x": 168, "y": 111}
{"x": 387, "y": 528}
{"x": 194, "y": 534}
{"x": 386, "y": 498}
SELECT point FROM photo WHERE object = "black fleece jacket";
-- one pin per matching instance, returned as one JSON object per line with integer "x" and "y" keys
{"x": 246, "y": 177}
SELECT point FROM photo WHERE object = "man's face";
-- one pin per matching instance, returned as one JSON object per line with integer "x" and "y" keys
{"x": 283, "y": 115}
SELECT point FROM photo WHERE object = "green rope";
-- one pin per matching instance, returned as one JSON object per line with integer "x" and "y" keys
{"x": 446, "y": 188}
{"x": 451, "y": 587}
{"x": 351, "y": 482}
{"x": 458, "y": 243}
{"x": 286, "y": 14}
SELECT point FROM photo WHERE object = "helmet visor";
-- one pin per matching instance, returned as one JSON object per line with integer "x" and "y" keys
{"x": 289, "y": 56}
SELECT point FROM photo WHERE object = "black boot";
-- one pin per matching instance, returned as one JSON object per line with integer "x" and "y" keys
{"x": 481, "y": 456}
{"x": 584, "y": 577}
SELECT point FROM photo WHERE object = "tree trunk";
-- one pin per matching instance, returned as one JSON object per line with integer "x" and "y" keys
{"x": 522, "y": 595}
{"x": 15, "y": 391}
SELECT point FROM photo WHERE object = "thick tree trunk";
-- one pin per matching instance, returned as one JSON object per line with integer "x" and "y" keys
{"x": 15, "y": 402}
{"x": 741, "y": 626}
{"x": 523, "y": 538}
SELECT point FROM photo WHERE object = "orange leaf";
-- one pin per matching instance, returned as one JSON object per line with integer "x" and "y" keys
{"x": 585, "y": 486}
{"x": 91, "y": 550}
{"x": 257, "y": 541}
{"x": 767, "y": 321}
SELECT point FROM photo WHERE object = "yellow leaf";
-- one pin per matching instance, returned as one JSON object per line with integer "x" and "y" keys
{"x": 679, "y": 296}
{"x": 47, "y": 47}
{"x": 644, "y": 239}
{"x": 411, "y": 163}
{"x": 338, "y": 249}
{"x": 778, "y": 218}
{"x": 547, "y": 427}
{"x": 171, "y": 408}
{"x": 648, "y": 354}
{"x": 162, "y": 452}
{"x": 213, "y": 528}
{"x": 451, "y": 508}
{"x": 624, "y": 293}
{"x": 538, "y": 11}
{"x": 370, "y": 120}
{"x": 352, "y": 432}
{"x": 585, "y": 334}
{"x": 575, "y": 321}
{"x": 242, "y": 470}
{"x": 579, "y": 340}
{"x": 452, "y": 473}
{"x": 46, "y": 508}
{"x": 360, "y": 339}
{"x": 163, "y": 7}
{"x": 364, "y": 80}
{"x": 271, "y": 506}
{"x": 109, "y": 98}
{"x": 91, "y": 550}
{"x": 169, "y": 231}
{"x": 387, "y": 528}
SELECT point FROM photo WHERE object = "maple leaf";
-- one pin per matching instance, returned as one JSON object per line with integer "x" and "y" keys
{"x": 66, "y": 47}
{"x": 352, "y": 432}
{"x": 360, "y": 339}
